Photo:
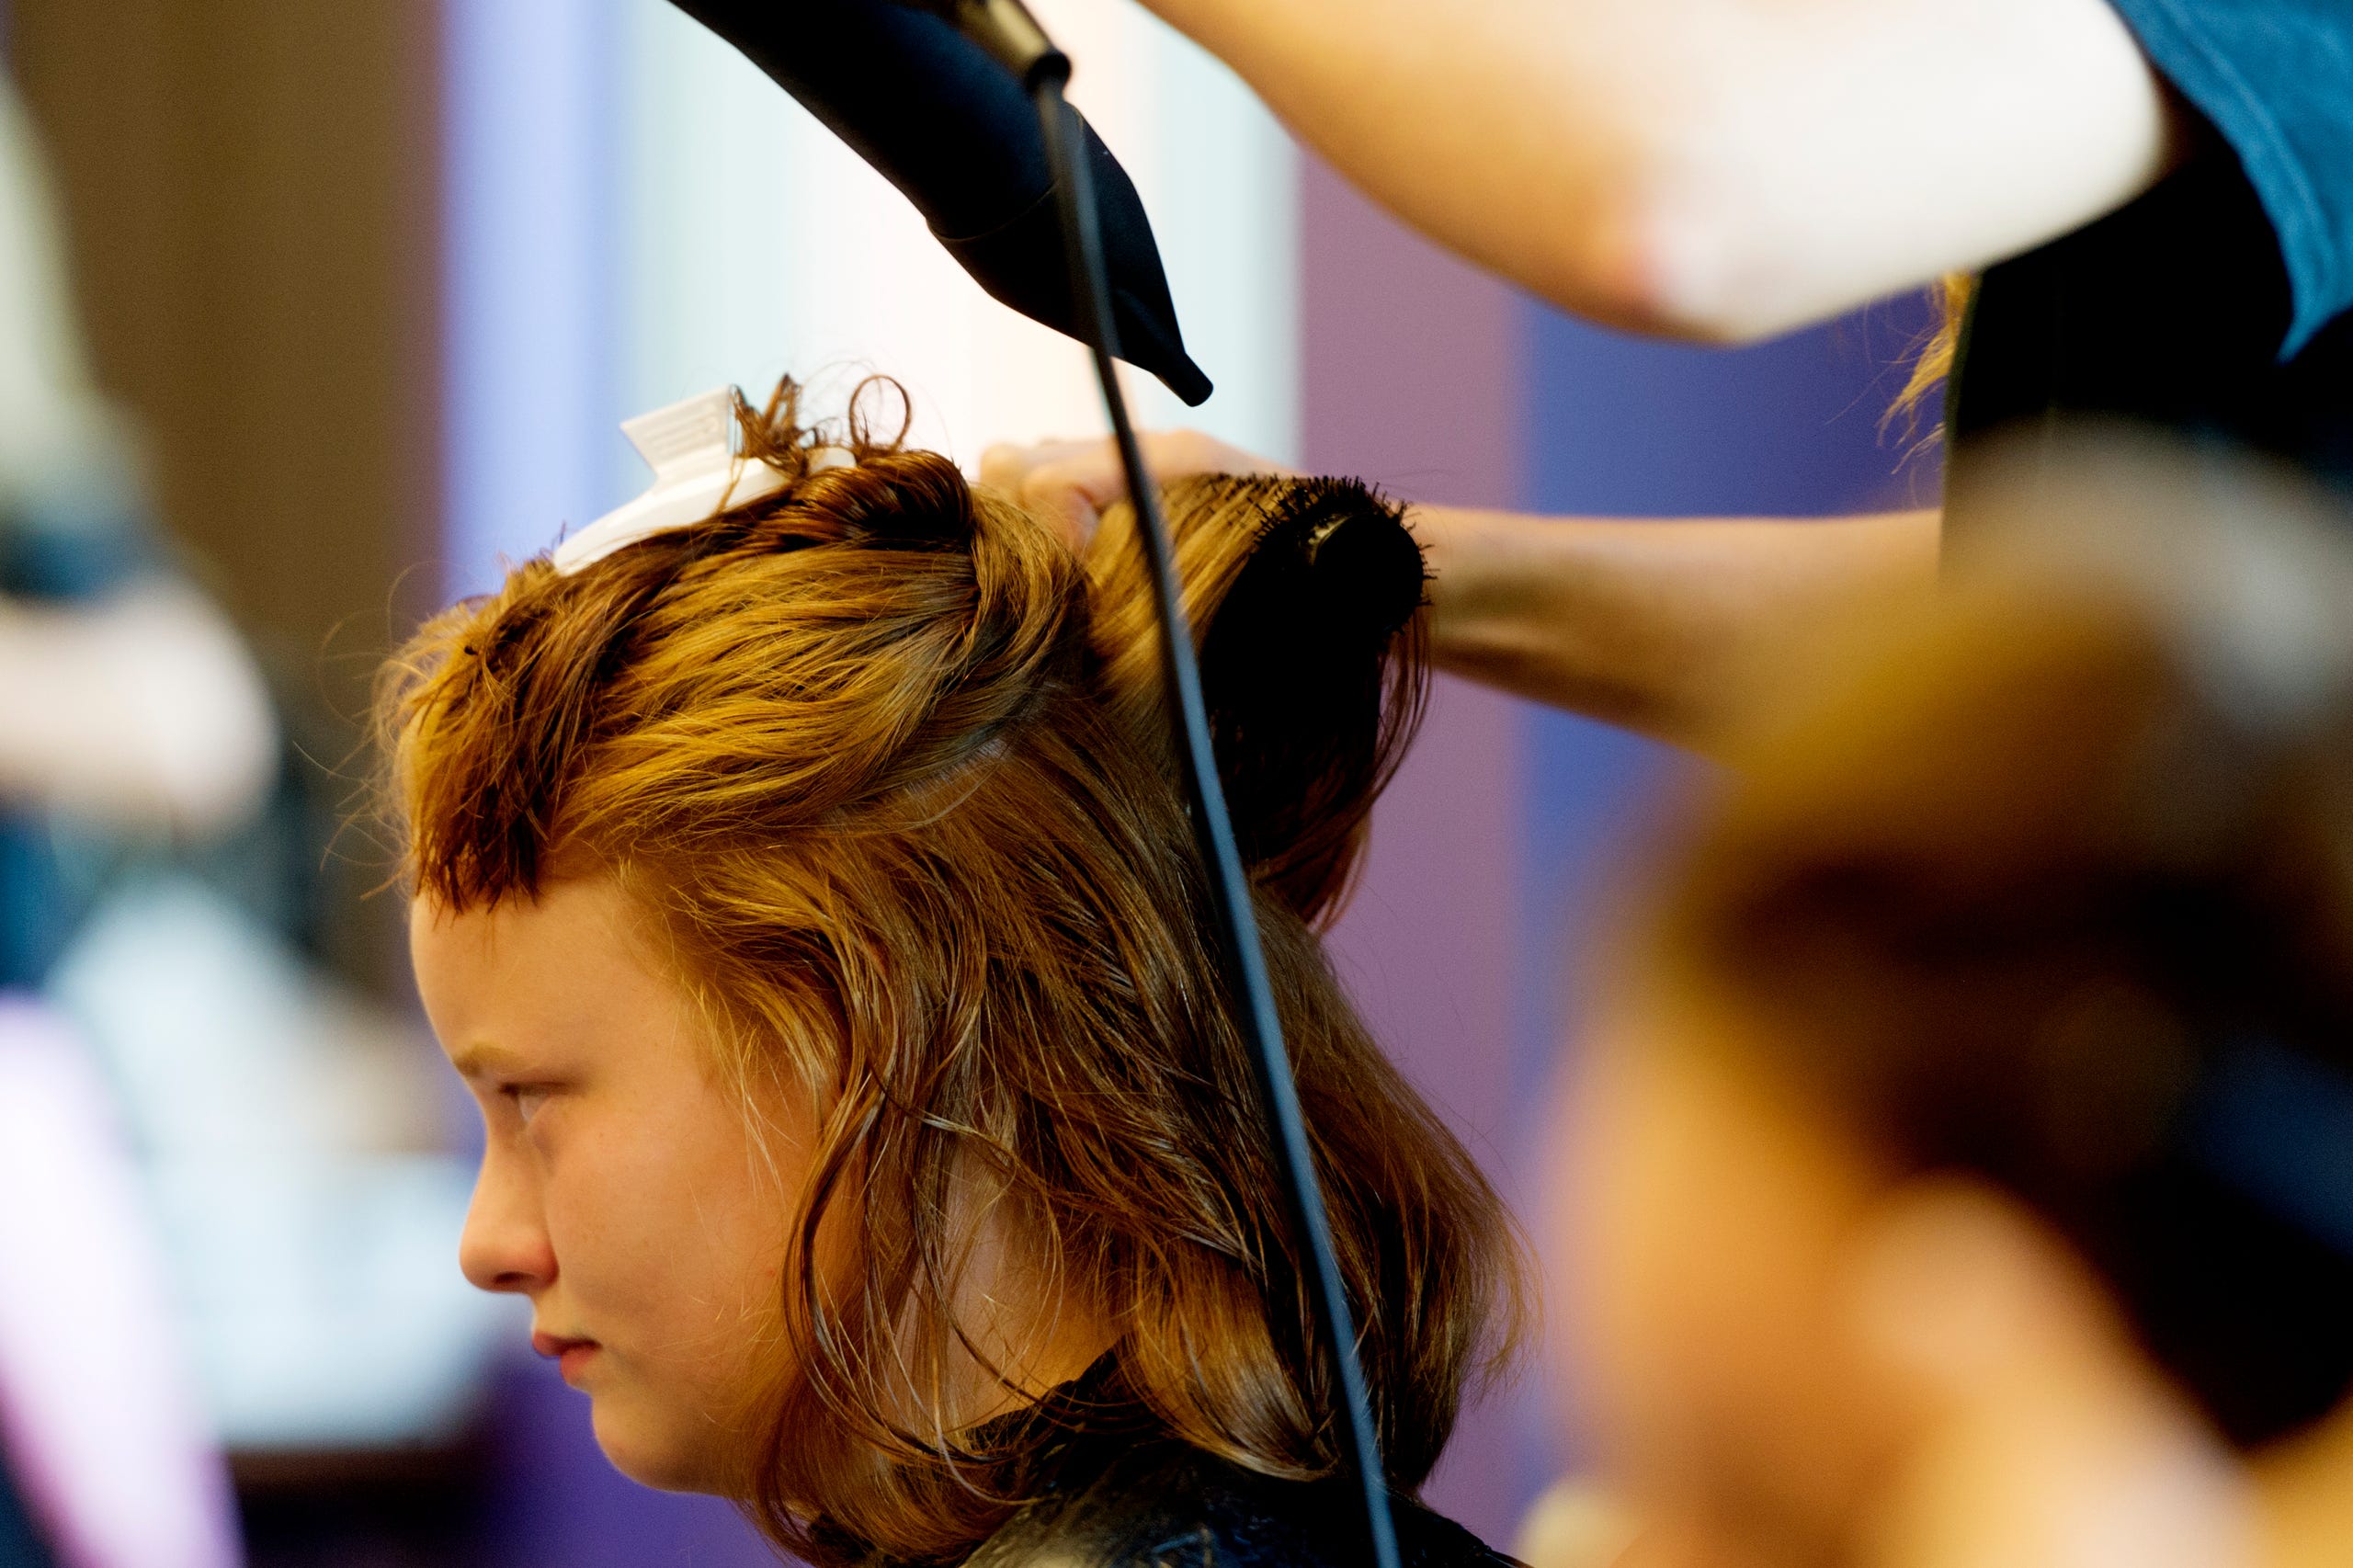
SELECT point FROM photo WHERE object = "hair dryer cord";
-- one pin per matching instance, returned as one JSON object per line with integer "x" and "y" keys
{"x": 1229, "y": 884}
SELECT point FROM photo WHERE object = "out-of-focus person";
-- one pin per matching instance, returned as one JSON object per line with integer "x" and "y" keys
{"x": 1960, "y": 1167}
{"x": 128, "y": 706}
{"x": 123, "y": 692}
{"x": 221, "y": 1168}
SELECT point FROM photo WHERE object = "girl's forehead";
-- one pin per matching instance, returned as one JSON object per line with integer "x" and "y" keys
{"x": 571, "y": 963}
{"x": 576, "y": 916}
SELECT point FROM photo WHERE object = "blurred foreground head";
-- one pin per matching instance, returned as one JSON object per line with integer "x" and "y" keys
{"x": 1973, "y": 1139}
{"x": 860, "y": 792}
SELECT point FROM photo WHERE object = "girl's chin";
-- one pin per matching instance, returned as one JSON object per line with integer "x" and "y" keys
{"x": 654, "y": 1451}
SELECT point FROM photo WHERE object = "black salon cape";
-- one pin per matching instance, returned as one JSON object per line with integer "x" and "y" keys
{"x": 2215, "y": 306}
{"x": 20, "y": 1545}
{"x": 1161, "y": 1504}
{"x": 1110, "y": 1488}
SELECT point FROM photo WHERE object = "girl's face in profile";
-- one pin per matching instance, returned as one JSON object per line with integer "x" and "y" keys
{"x": 621, "y": 1191}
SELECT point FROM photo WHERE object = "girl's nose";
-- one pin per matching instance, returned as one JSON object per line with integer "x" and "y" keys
{"x": 505, "y": 1247}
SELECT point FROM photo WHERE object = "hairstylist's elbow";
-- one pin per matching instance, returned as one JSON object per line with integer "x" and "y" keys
{"x": 1667, "y": 260}
{"x": 1693, "y": 232}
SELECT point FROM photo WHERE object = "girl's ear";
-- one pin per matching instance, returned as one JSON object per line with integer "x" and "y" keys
{"x": 2031, "y": 1427}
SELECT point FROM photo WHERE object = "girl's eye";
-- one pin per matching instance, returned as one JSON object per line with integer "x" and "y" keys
{"x": 527, "y": 1099}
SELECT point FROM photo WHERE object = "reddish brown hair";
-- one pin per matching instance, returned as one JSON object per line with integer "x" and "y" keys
{"x": 880, "y": 757}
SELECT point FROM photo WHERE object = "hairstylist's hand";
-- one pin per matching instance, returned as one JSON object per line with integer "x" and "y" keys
{"x": 1069, "y": 483}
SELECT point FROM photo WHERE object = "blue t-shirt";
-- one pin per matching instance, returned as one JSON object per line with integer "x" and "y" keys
{"x": 2221, "y": 303}
{"x": 20, "y": 1545}
{"x": 2275, "y": 80}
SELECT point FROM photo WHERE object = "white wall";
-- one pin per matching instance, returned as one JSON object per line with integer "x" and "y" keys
{"x": 527, "y": 277}
{"x": 636, "y": 214}
{"x": 755, "y": 244}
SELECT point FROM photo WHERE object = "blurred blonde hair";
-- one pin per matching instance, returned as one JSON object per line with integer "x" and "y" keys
{"x": 1933, "y": 366}
{"x": 2041, "y": 869}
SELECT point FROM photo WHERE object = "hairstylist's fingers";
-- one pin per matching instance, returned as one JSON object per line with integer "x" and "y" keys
{"x": 1069, "y": 483}
{"x": 1180, "y": 454}
{"x": 1006, "y": 465}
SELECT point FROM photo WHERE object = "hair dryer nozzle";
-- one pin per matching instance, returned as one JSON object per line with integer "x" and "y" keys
{"x": 948, "y": 120}
{"x": 1011, "y": 36}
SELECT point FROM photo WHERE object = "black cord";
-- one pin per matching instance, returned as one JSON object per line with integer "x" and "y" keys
{"x": 1229, "y": 885}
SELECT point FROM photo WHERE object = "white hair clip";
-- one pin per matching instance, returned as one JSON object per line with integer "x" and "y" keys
{"x": 697, "y": 475}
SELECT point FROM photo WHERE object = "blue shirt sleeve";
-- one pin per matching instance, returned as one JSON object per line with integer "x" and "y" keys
{"x": 2276, "y": 79}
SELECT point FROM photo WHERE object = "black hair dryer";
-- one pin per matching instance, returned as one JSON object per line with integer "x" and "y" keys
{"x": 947, "y": 123}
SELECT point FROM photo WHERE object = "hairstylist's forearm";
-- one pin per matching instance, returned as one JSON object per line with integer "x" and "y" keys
{"x": 1713, "y": 168}
{"x": 1662, "y": 626}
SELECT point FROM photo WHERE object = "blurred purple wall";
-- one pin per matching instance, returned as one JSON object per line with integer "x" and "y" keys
{"x": 557, "y": 1503}
{"x": 1411, "y": 372}
{"x": 1493, "y": 851}
{"x": 1611, "y": 425}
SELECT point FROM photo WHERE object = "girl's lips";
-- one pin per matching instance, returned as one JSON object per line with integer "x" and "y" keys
{"x": 571, "y": 1355}
{"x": 552, "y": 1347}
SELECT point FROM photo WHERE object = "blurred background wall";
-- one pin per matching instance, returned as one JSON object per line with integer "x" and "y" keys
{"x": 378, "y": 277}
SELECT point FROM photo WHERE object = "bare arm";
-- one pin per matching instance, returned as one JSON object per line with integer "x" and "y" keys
{"x": 1719, "y": 169}
{"x": 1659, "y": 625}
